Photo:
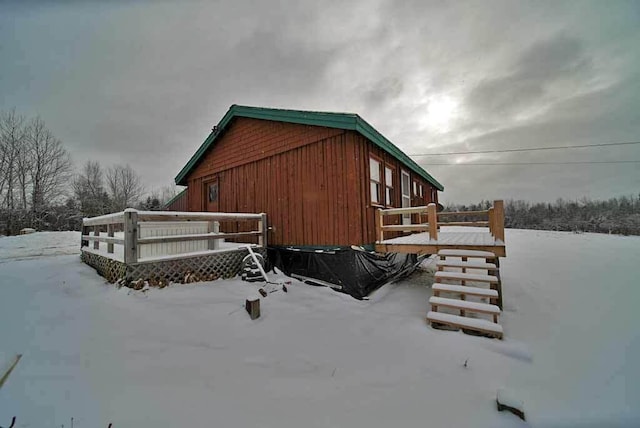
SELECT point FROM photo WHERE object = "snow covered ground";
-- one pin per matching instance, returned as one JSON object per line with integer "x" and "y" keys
{"x": 189, "y": 355}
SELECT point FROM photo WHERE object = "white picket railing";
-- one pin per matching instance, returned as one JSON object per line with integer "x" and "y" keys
{"x": 152, "y": 234}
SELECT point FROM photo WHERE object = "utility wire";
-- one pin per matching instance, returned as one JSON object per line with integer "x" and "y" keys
{"x": 531, "y": 163}
{"x": 530, "y": 149}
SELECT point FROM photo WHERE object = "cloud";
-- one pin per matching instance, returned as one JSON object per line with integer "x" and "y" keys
{"x": 143, "y": 82}
{"x": 533, "y": 81}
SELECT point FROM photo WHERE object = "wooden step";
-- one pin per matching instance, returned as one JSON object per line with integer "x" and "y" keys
{"x": 466, "y": 253}
{"x": 467, "y": 265}
{"x": 483, "y": 326}
{"x": 463, "y": 289}
{"x": 459, "y": 276}
{"x": 464, "y": 305}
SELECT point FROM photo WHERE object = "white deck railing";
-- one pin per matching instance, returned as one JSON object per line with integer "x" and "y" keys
{"x": 494, "y": 220}
{"x": 145, "y": 234}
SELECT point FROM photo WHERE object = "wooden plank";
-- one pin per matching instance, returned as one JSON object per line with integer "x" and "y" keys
{"x": 107, "y": 239}
{"x": 195, "y": 237}
{"x": 466, "y": 323}
{"x": 460, "y": 276}
{"x": 406, "y": 227}
{"x": 408, "y": 210}
{"x": 461, "y": 213}
{"x": 480, "y": 308}
{"x": 466, "y": 265}
{"x": 116, "y": 218}
{"x": 464, "y": 223}
{"x": 464, "y": 289}
{"x": 465, "y": 253}
{"x": 201, "y": 216}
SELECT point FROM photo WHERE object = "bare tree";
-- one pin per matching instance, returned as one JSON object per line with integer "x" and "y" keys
{"x": 12, "y": 137}
{"x": 88, "y": 187}
{"x": 49, "y": 166}
{"x": 124, "y": 186}
{"x": 12, "y": 173}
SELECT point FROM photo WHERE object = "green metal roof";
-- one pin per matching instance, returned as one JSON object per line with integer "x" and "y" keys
{"x": 347, "y": 121}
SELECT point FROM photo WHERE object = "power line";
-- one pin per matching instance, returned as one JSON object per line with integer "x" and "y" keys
{"x": 530, "y": 149}
{"x": 532, "y": 163}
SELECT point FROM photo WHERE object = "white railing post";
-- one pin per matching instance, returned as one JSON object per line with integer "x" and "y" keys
{"x": 110, "y": 235}
{"x": 213, "y": 227}
{"x": 96, "y": 232}
{"x": 84, "y": 230}
{"x": 263, "y": 228}
{"x": 130, "y": 236}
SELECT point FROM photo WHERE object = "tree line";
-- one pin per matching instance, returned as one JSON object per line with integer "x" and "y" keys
{"x": 40, "y": 189}
{"x": 617, "y": 215}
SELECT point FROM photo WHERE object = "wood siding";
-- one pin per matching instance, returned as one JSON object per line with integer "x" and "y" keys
{"x": 313, "y": 182}
{"x": 428, "y": 191}
{"x": 179, "y": 204}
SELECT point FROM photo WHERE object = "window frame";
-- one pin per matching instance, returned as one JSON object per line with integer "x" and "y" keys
{"x": 389, "y": 187}
{"x": 379, "y": 184}
{"x": 406, "y": 218}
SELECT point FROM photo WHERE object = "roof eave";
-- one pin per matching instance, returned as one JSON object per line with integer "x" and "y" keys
{"x": 330, "y": 120}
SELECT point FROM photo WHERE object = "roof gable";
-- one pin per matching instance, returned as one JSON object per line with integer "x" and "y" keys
{"x": 347, "y": 121}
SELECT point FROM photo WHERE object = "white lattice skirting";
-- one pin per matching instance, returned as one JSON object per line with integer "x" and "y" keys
{"x": 207, "y": 267}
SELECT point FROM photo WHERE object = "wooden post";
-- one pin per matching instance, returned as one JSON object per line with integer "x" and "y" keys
{"x": 379, "y": 223}
{"x": 252, "y": 306}
{"x": 213, "y": 227}
{"x": 110, "y": 235}
{"x": 498, "y": 213}
{"x": 263, "y": 227}
{"x": 498, "y": 286}
{"x": 96, "y": 232}
{"x": 433, "y": 222}
{"x": 491, "y": 221}
{"x": 8, "y": 370}
{"x": 130, "y": 236}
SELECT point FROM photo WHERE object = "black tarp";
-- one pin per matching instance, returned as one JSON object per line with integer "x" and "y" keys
{"x": 355, "y": 272}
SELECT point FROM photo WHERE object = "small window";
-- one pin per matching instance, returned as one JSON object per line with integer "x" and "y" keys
{"x": 213, "y": 192}
{"x": 420, "y": 190}
{"x": 415, "y": 188}
{"x": 405, "y": 189}
{"x": 375, "y": 178}
{"x": 388, "y": 183}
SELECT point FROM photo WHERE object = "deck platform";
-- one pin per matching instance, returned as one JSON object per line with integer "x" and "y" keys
{"x": 420, "y": 243}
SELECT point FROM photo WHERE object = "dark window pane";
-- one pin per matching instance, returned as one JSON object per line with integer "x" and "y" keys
{"x": 213, "y": 192}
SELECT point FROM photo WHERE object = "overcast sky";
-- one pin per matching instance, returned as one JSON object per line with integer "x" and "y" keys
{"x": 143, "y": 82}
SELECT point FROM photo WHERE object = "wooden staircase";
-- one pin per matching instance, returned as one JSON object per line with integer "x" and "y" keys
{"x": 470, "y": 260}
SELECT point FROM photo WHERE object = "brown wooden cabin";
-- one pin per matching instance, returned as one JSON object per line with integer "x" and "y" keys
{"x": 319, "y": 176}
{"x": 178, "y": 202}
